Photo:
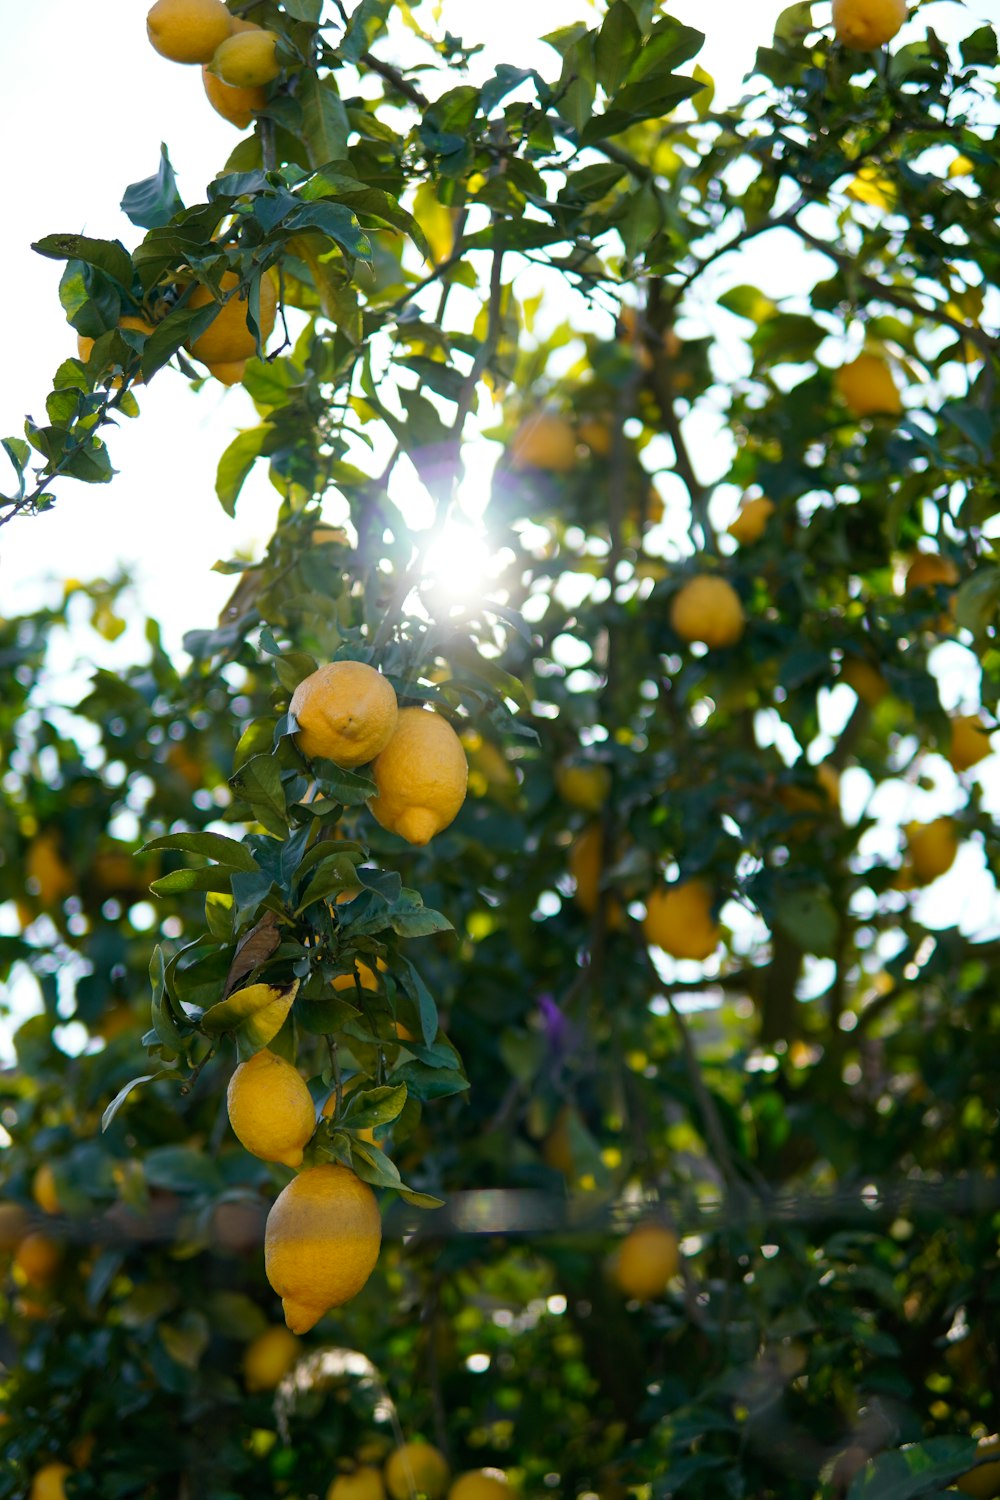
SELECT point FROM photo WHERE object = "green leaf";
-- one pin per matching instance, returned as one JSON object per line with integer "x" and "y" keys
{"x": 258, "y": 782}
{"x": 181, "y": 326}
{"x": 123, "y": 1093}
{"x": 325, "y": 123}
{"x": 182, "y": 1169}
{"x": 979, "y": 47}
{"x": 425, "y": 1001}
{"x": 109, "y": 256}
{"x": 372, "y": 1165}
{"x": 153, "y": 202}
{"x": 212, "y": 845}
{"x": 365, "y": 1109}
{"x": 618, "y": 41}
{"x": 335, "y": 874}
{"x": 257, "y": 1014}
{"x": 349, "y": 787}
{"x": 236, "y": 463}
{"x": 337, "y": 222}
{"x": 409, "y": 917}
{"x": 922, "y": 1469}
{"x": 425, "y": 1082}
{"x": 809, "y": 919}
{"x": 325, "y": 1017}
{"x": 420, "y": 1200}
{"x": 213, "y": 878}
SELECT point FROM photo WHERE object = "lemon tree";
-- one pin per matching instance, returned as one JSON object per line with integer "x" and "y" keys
{"x": 568, "y": 1004}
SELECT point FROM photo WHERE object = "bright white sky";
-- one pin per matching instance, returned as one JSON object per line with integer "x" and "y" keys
{"x": 82, "y": 113}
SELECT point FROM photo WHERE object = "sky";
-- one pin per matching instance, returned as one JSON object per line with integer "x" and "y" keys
{"x": 83, "y": 111}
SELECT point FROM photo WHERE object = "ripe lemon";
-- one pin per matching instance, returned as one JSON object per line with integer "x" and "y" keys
{"x": 188, "y": 31}
{"x": 970, "y": 742}
{"x": 268, "y": 1358}
{"x": 586, "y": 787}
{"x": 586, "y": 865}
{"x": 49, "y": 1482}
{"x": 347, "y": 713}
{"x": 928, "y": 570}
{"x": 270, "y": 1108}
{"x": 228, "y": 338}
{"x": 932, "y": 848}
{"x": 708, "y": 609}
{"x": 867, "y": 387}
{"x": 37, "y": 1258}
{"x": 647, "y": 1259}
{"x": 321, "y": 1242}
{"x": 866, "y": 680}
{"x": 238, "y": 106}
{"x": 983, "y": 1482}
{"x": 364, "y": 1484}
{"x": 84, "y": 346}
{"x": 679, "y": 920}
{"x": 752, "y": 520}
{"x": 864, "y": 24}
{"x": 961, "y": 167}
{"x": 421, "y": 775}
{"x": 43, "y": 1190}
{"x": 544, "y": 441}
{"x": 247, "y": 59}
{"x": 229, "y": 373}
{"x": 367, "y": 977}
{"x": 416, "y": 1468}
{"x": 14, "y": 1223}
{"x": 481, "y": 1484}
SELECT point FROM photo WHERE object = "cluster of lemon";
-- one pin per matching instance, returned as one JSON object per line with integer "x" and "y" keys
{"x": 238, "y": 58}
{"x": 323, "y": 1232}
{"x": 419, "y": 1468}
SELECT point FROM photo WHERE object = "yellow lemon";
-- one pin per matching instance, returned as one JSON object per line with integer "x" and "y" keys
{"x": 421, "y": 775}
{"x": 188, "y": 31}
{"x": 679, "y": 920}
{"x": 866, "y": 680}
{"x": 229, "y": 373}
{"x": 970, "y": 742}
{"x": 648, "y": 1258}
{"x": 347, "y": 712}
{"x": 961, "y": 167}
{"x": 932, "y": 848}
{"x": 544, "y": 441}
{"x": 586, "y": 787}
{"x": 417, "y": 1468}
{"x": 929, "y": 570}
{"x": 270, "y": 1108}
{"x": 864, "y": 24}
{"x": 481, "y": 1484}
{"x": 236, "y": 105}
{"x": 14, "y": 1223}
{"x": 49, "y": 1482}
{"x": 84, "y": 345}
{"x": 37, "y": 1258}
{"x": 586, "y": 865}
{"x": 367, "y": 977}
{"x": 867, "y": 387}
{"x": 708, "y": 609}
{"x": 752, "y": 520}
{"x": 364, "y": 1484}
{"x": 321, "y": 1243}
{"x": 983, "y": 1482}
{"x": 228, "y": 338}
{"x": 268, "y": 1358}
{"x": 43, "y": 1190}
{"x": 247, "y": 59}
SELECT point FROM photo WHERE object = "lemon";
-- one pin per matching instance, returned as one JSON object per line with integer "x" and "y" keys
{"x": 708, "y": 609}
{"x": 416, "y": 1468}
{"x": 270, "y": 1108}
{"x": 321, "y": 1242}
{"x": 586, "y": 787}
{"x": 961, "y": 167}
{"x": 970, "y": 742}
{"x": 43, "y": 1190}
{"x": 932, "y": 848}
{"x": 230, "y": 372}
{"x": 928, "y": 570}
{"x": 544, "y": 441}
{"x": 867, "y": 387}
{"x": 268, "y": 1358}
{"x": 752, "y": 520}
{"x": 421, "y": 775}
{"x": 864, "y": 24}
{"x": 598, "y": 435}
{"x": 37, "y": 1258}
{"x": 247, "y": 59}
{"x": 236, "y": 105}
{"x": 84, "y": 345}
{"x": 14, "y": 1223}
{"x": 983, "y": 1482}
{"x": 679, "y": 920}
{"x": 49, "y": 1482}
{"x": 481, "y": 1484}
{"x": 347, "y": 713}
{"x": 228, "y": 338}
{"x": 367, "y": 977}
{"x": 586, "y": 865}
{"x": 866, "y": 680}
{"x": 188, "y": 31}
{"x": 364, "y": 1484}
{"x": 648, "y": 1258}
{"x": 557, "y": 1147}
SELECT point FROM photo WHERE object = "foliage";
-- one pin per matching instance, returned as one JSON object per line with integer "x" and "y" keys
{"x": 819, "y": 1126}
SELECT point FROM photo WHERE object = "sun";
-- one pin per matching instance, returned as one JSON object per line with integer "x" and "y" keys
{"x": 459, "y": 563}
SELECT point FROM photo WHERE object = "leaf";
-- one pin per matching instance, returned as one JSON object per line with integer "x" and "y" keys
{"x": 420, "y": 1200}
{"x": 181, "y": 326}
{"x": 236, "y": 462}
{"x": 409, "y": 917}
{"x": 212, "y": 845}
{"x": 425, "y": 1082}
{"x": 123, "y": 1093}
{"x": 349, "y": 787}
{"x": 337, "y": 222}
{"x": 809, "y": 919}
{"x": 920, "y": 1469}
{"x": 182, "y": 1169}
{"x": 109, "y": 256}
{"x": 153, "y": 202}
{"x": 258, "y": 782}
{"x": 425, "y": 1001}
{"x": 252, "y": 949}
{"x": 618, "y": 41}
{"x": 325, "y": 123}
{"x": 213, "y": 878}
{"x": 372, "y": 1165}
{"x": 325, "y": 1017}
{"x": 335, "y": 874}
{"x": 258, "y": 1012}
{"x": 380, "y": 1106}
